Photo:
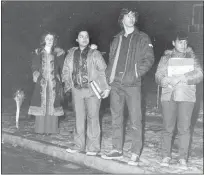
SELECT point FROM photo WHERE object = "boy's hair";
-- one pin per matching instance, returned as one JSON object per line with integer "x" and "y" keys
{"x": 80, "y": 28}
{"x": 180, "y": 35}
{"x": 125, "y": 11}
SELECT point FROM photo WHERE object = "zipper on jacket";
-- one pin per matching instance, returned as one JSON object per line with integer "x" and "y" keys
{"x": 80, "y": 64}
{"x": 136, "y": 70}
{"x": 126, "y": 59}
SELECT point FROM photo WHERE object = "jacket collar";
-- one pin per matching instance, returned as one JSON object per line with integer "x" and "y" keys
{"x": 136, "y": 31}
{"x": 43, "y": 51}
{"x": 86, "y": 49}
{"x": 188, "y": 53}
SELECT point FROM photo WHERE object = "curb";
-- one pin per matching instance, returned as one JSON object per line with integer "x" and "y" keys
{"x": 98, "y": 163}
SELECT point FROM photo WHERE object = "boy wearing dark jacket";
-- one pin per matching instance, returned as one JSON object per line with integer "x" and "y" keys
{"x": 131, "y": 56}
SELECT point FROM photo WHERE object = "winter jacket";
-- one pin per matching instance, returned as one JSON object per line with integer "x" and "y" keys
{"x": 95, "y": 64}
{"x": 139, "y": 59}
{"x": 46, "y": 70}
{"x": 181, "y": 92}
{"x": 37, "y": 61}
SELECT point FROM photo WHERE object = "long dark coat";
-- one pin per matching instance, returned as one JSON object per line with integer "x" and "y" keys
{"x": 46, "y": 97}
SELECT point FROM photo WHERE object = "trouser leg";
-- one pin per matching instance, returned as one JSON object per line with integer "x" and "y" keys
{"x": 169, "y": 121}
{"x": 93, "y": 125}
{"x": 133, "y": 99}
{"x": 79, "y": 103}
{"x": 117, "y": 99}
{"x": 185, "y": 110}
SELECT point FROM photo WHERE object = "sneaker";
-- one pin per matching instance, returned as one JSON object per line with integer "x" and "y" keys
{"x": 183, "y": 164}
{"x": 165, "y": 161}
{"x": 91, "y": 153}
{"x": 114, "y": 154}
{"x": 134, "y": 160}
{"x": 69, "y": 150}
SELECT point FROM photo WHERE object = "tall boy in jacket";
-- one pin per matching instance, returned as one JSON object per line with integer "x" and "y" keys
{"x": 131, "y": 56}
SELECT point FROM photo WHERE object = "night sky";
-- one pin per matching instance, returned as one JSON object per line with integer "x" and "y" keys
{"x": 24, "y": 22}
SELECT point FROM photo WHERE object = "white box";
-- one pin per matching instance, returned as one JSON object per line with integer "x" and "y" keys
{"x": 180, "y": 66}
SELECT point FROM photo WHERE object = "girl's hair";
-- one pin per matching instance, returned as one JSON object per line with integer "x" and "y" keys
{"x": 125, "y": 11}
{"x": 42, "y": 40}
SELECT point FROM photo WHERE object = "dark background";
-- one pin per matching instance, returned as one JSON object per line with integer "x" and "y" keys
{"x": 24, "y": 22}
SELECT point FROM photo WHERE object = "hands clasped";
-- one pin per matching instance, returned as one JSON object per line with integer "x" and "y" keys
{"x": 173, "y": 81}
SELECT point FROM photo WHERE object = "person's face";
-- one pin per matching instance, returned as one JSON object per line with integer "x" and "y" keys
{"x": 83, "y": 38}
{"x": 49, "y": 40}
{"x": 129, "y": 19}
{"x": 180, "y": 45}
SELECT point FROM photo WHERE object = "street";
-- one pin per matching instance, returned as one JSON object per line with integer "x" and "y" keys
{"x": 19, "y": 160}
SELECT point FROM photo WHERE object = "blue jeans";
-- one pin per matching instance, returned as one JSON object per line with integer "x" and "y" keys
{"x": 182, "y": 112}
{"x": 87, "y": 106}
{"x": 132, "y": 96}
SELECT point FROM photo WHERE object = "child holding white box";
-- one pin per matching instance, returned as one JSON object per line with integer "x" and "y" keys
{"x": 178, "y": 73}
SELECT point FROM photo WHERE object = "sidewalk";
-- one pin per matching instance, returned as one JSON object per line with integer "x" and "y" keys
{"x": 149, "y": 161}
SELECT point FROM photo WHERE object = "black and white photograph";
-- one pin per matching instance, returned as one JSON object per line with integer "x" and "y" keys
{"x": 101, "y": 87}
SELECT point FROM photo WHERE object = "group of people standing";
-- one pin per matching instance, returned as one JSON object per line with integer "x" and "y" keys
{"x": 131, "y": 56}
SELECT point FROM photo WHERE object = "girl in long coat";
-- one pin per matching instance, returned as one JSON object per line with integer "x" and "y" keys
{"x": 45, "y": 103}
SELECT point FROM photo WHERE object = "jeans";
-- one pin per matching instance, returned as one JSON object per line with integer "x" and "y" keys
{"x": 182, "y": 112}
{"x": 87, "y": 107}
{"x": 132, "y": 96}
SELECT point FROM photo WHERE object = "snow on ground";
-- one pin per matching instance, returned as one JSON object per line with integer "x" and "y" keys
{"x": 151, "y": 154}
